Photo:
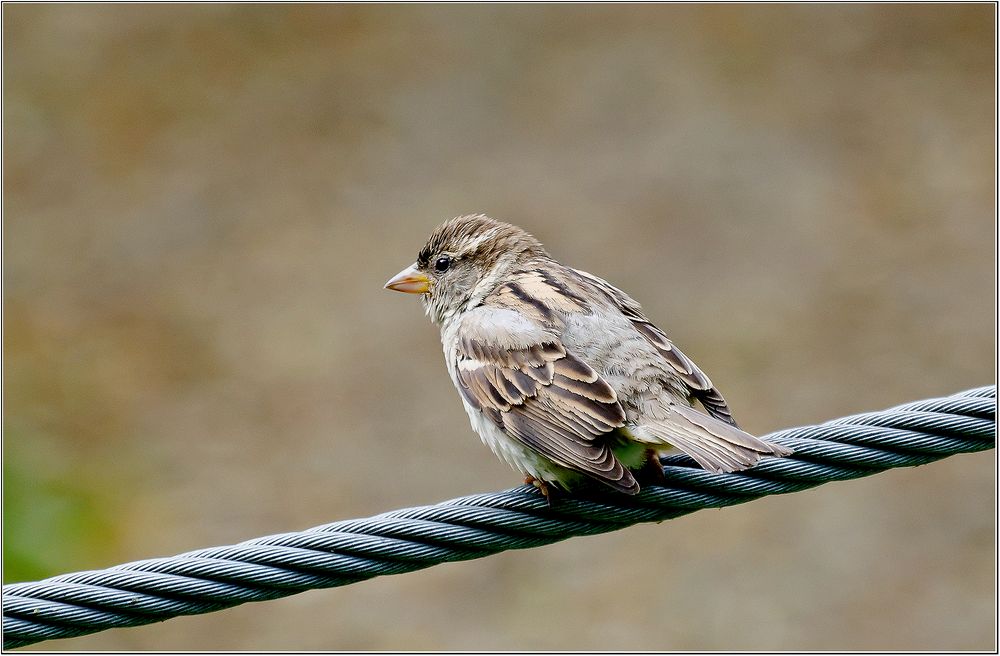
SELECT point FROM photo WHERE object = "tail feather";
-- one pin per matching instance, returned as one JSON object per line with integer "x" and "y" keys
{"x": 714, "y": 444}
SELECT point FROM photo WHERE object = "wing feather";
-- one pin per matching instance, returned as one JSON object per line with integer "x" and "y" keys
{"x": 522, "y": 377}
{"x": 713, "y": 443}
{"x": 694, "y": 378}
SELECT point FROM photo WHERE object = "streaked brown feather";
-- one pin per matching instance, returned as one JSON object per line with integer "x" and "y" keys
{"x": 547, "y": 399}
{"x": 487, "y": 390}
{"x": 596, "y": 460}
{"x": 514, "y": 295}
{"x": 575, "y": 368}
{"x": 602, "y": 417}
{"x": 498, "y": 379}
{"x": 582, "y": 426}
{"x": 598, "y": 390}
{"x": 542, "y": 286}
{"x": 522, "y": 382}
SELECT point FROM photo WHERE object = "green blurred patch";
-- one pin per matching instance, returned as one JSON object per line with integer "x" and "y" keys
{"x": 54, "y": 521}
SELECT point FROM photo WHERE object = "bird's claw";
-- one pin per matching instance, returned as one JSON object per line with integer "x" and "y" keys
{"x": 542, "y": 486}
{"x": 652, "y": 470}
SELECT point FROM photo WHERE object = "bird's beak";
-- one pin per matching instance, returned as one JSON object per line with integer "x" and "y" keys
{"x": 409, "y": 281}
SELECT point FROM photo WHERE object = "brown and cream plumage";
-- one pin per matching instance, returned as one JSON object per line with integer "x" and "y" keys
{"x": 561, "y": 373}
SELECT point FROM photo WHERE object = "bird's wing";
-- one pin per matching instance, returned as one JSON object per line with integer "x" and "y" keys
{"x": 518, "y": 373}
{"x": 699, "y": 384}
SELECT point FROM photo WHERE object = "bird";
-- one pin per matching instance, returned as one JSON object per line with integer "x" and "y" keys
{"x": 562, "y": 374}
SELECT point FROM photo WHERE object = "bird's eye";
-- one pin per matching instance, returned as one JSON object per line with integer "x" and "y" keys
{"x": 442, "y": 264}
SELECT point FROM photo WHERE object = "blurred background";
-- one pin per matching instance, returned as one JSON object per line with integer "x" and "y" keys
{"x": 202, "y": 202}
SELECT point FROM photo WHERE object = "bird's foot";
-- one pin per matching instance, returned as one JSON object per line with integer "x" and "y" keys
{"x": 652, "y": 470}
{"x": 542, "y": 486}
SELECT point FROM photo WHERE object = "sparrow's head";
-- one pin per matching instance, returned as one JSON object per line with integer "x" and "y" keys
{"x": 464, "y": 260}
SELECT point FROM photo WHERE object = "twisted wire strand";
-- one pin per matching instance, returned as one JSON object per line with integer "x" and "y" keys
{"x": 479, "y": 525}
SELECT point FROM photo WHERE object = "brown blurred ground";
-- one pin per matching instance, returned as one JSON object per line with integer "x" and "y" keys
{"x": 201, "y": 204}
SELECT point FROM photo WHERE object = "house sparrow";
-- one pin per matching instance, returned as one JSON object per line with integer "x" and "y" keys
{"x": 561, "y": 373}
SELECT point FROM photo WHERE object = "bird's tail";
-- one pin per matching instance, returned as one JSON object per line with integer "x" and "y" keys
{"x": 714, "y": 444}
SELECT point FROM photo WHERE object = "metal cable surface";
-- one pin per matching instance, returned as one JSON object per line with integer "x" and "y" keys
{"x": 482, "y": 524}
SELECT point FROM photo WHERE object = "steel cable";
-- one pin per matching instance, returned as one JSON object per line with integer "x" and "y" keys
{"x": 479, "y": 525}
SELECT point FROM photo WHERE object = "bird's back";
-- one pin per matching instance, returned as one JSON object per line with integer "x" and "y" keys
{"x": 592, "y": 325}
